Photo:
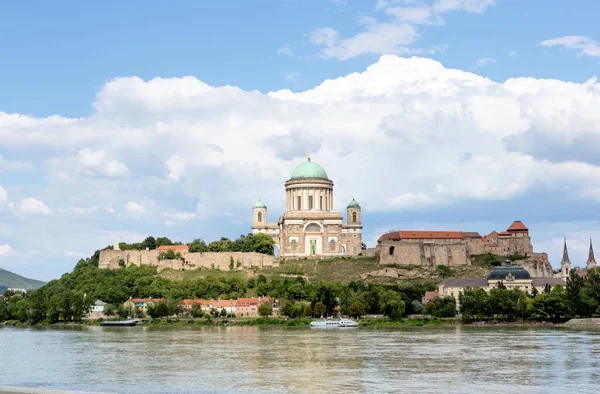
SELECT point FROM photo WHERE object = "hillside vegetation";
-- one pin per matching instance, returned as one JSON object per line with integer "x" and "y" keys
{"x": 12, "y": 280}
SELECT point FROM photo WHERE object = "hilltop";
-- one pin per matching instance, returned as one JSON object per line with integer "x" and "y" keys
{"x": 342, "y": 270}
{"x": 10, "y": 279}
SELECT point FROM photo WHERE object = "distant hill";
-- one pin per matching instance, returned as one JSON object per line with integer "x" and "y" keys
{"x": 9, "y": 279}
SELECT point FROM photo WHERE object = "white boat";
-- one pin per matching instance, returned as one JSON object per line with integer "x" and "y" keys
{"x": 331, "y": 323}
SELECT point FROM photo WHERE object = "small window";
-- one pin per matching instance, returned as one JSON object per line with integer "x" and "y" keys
{"x": 321, "y": 203}
{"x": 354, "y": 216}
{"x": 310, "y": 202}
{"x": 332, "y": 245}
{"x": 392, "y": 250}
{"x": 326, "y": 206}
{"x": 294, "y": 245}
{"x": 260, "y": 217}
{"x": 299, "y": 207}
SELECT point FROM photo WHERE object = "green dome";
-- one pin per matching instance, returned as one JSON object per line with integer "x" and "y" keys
{"x": 501, "y": 273}
{"x": 309, "y": 170}
{"x": 259, "y": 204}
{"x": 353, "y": 204}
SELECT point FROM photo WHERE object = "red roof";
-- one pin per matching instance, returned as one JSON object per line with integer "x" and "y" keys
{"x": 399, "y": 235}
{"x": 183, "y": 248}
{"x": 430, "y": 295}
{"x": 136, "y": 300}
{"x": 505, "y": 233}
{"x": 517, "y": 226}
{"x": 471, "y": 234}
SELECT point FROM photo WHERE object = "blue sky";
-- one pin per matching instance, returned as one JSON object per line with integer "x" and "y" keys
{"x": 93, "y": 146}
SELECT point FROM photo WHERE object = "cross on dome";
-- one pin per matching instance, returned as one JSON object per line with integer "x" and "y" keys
{"x": 309, "y": 155}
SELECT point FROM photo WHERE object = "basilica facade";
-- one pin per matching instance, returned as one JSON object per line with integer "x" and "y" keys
{"x": 310, "y": 227}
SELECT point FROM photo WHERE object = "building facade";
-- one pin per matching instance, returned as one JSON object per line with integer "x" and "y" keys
{"x": 453, "y": 248}
{"x": 310, "y": 226}
{"x": 511, "y": 276}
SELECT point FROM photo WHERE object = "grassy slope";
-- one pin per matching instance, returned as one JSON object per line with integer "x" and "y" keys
{"x": 10, "y": 279}
{"x": 342, "y": 270}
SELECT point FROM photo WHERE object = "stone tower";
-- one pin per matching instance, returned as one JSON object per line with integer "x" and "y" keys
{"x": 591, "y": 261}
{"x": 259, "y": 214}
{"x": 565, "y": 264}
{"x": 353, "y": 213}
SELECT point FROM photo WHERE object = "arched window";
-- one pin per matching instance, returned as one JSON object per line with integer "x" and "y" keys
{"x": 392, "y": 250}
{"x": 313, "y": 228}
{"x": 332, "y": 245}
{"x": 260, "y": 216}
{"x": 294, "y": 245}
{"x": 354, "y": 215}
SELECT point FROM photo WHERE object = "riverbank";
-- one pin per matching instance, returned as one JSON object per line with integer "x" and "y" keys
{"x": 283, "y": 322}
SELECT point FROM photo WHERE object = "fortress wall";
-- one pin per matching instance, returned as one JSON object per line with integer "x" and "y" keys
{"x": 425, "y": 254}
{"x": 221, "y": 260}
{"x": 506, "y": 246}
{"x": 404, "y": 253}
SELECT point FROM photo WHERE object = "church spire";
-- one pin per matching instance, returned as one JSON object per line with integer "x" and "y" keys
{"x": 591, "y": 261}
{"x": 565, "y": 258}
{"x": 565, "y": 264}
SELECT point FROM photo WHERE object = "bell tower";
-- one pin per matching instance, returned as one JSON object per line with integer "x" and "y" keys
{"x": 353, "y": 212}
{"x": 565, "y": 264}
{"x": 259, "y": 214}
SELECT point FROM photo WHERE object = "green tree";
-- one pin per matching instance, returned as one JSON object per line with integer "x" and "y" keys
{"x": 222, "y": 245}
{"x": 307, "y": 311}
{"x": 162, "y": 241}
{"x": 319, "y": 309}
{"x": 149, "y": 243}
{"x": 392, "y": 305}
{"x": 198, "y": 246}
{"x": 356, "y": 309}
{"x": 574, "y": 289}
{"x": 161, "y": 309}
{"x": 265, "y": 310}
{"x": 287, "y": 308}
{"x": 197, "y": 311}
{"x": 110, "y": 310}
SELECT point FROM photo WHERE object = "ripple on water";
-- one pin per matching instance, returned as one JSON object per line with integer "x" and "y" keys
{"x": 258, "y": 359}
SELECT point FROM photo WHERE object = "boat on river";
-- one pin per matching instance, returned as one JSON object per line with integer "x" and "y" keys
{"x": 331, "y": 323}
{"x": 120, "y": 323}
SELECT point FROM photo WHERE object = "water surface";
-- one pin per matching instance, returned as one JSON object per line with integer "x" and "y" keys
{"x": 258, "y": 359}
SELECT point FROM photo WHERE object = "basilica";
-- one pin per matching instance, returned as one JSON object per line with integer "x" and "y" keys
{"x": 310, "y": 227}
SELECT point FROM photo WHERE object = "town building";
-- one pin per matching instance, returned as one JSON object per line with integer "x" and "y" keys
{"x": 452, "y": 248}
{"x": 511, "y": 276}
{"x": 141, "y": 304}
{"x": 310, "y": 226}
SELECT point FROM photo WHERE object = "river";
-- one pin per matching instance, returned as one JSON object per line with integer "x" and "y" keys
{"x": 280, "y": 360}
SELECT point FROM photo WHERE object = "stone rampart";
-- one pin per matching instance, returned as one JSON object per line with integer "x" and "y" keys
{"x": 422, "y": 253}
{"x": 189, "y": 261}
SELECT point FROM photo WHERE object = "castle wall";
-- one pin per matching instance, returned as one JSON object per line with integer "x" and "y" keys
{"x": 422, "y": 253}
{"x": 190, "y": 261}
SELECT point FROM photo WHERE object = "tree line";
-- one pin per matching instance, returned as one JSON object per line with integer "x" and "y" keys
{"x": 579, "y": 298}
{"x": 259, "y": 243}
{"x": 70, "y": 297}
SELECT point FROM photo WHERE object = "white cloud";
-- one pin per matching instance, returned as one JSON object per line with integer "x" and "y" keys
{"x": 180, "y": 215}
{"x": 396, "y": 35}
{"x": 5, "y": 250}
{"x": 97, "y": 162}
{"x": 411, "y": 132}
{"x": 175, "y": 167}
{"x": 285, "y": 50}
{"x": 485, "y": 61}
{"x": 584, "y": 45}
{"x": 292, "y": 76}
{"x": 3, "y": 196}
{"x": 16, "y": 165}
{"x": 341, "y": 3}
{"x": 135, "y": 208}
{"x": 512, "y": 53}
{"x": 70, "y": 253}
{"x": 33, "y": 206}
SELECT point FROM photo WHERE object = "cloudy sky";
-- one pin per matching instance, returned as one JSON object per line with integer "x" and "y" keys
{"x": 127, "y": 120}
